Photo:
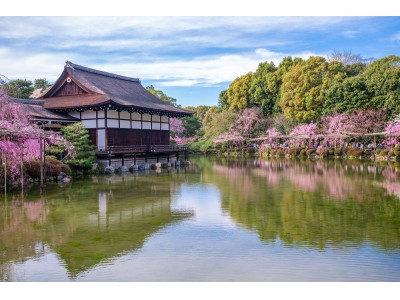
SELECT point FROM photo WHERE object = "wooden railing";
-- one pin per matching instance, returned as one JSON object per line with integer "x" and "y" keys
{"x": 142, "y": 149}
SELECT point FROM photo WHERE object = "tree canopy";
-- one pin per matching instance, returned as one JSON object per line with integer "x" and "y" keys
{"x": 160, "y": 94}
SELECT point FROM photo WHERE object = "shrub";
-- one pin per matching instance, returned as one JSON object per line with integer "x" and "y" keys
{"x": 303, "y": 152}
{"x": 310, "y": 151}
{"x": 384, "y": 152}
{"x": 273, "y": 152}
{"x": 53, "y": 167}
{"x": 280, "y": 152}
{"x": 66, "y": 169}
{"x": 338, "y": 152}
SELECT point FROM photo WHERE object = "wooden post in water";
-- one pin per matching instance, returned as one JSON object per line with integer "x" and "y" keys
{"x": 44, "y": 162}
{"x": 5, "y": 173}
{"x": 22, "y": 173}
{"x": 41, "y": 165}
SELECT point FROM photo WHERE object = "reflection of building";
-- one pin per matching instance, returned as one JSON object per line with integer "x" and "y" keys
{"x": 87, "y": 224}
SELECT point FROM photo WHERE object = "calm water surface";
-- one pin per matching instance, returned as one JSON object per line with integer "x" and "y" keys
{"x": 249, "y": 220}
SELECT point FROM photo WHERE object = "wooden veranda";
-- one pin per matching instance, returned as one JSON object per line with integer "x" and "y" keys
{"x": 145, "y": 151}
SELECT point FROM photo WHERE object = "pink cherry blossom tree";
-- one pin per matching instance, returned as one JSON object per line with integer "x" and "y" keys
{"x": 304, "y": 133}
{"x": 176, "y": 126}
{"x": 20, "y": 139}
{"x": 249, "y": 123}
{"x": 393, "y": 132}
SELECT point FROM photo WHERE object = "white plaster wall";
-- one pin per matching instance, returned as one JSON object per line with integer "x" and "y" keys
{"x": 136, "y": 125}
{"x": 164, "y": 126}
{"x": 88, "y": 114}
{"x": 146, "y": 125}
{"x": 155, "y": 125}
{"x": 125, "y": 124}
{"x": 89, "y": 123}
{"x": 125, "y": 115}
{"x": 112, "y": 123}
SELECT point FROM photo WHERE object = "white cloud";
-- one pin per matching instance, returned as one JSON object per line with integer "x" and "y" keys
{"x": 64, "y": 27}
{"x": 396, "y": 37}
{"x": 349, "y": 34}
{"x": 199, "y": 71}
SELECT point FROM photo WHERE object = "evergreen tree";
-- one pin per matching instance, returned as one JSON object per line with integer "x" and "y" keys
{"x": 85, "y": 154}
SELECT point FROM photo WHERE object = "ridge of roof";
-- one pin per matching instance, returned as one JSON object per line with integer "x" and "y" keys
{"x": 27, "y": 101}
{"x": 71, "y": 65}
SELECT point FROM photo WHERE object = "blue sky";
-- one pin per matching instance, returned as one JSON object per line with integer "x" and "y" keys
{"x": 189, "y": 58}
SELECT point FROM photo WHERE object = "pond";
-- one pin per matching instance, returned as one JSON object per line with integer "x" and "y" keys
{"x": 215, "y": 220}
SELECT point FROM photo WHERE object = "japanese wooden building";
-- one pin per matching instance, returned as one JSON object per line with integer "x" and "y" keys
{"x": 117, "y": 110}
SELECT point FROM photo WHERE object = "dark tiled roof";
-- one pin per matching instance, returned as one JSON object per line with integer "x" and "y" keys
{"x": 119, "y": 90}
{"x": 36, "y": 111}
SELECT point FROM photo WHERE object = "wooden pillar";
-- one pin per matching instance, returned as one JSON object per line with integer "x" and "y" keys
{"x": 109, "y": 158}
{"x": 134, "y": 158}
{"x": 168, "y": 157}
{"x": 185, "y": 154}
{"x": 177, "y": 155}
{"x": 123, "y": 159}
{"x": 158, "y": 158}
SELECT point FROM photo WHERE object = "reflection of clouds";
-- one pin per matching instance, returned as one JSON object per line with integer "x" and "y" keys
{"x": 205, "y": 201}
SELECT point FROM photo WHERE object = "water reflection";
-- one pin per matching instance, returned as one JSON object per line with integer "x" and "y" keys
{"x": 86, "y": 224}
{"x": 250, "y": 220}
{"x": 310, "y": 203}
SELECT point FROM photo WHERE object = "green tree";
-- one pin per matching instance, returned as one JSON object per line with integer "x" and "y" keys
{"x": 382, "y": 80}
{"x": 239, "y": 92}
{"x": 160, "y": 94}
{"x": 85, "y": 154}
{"x": 200, "y": 111}
{"x": 41, "y": 83}
{"x": 192, "y": 125}
{"x": 209, "y": 115}
{"x": 19, "y": 88}
{"x": 264, "y": 88}
{"x": 347, "y": 95}
{"x": 301, "y": 93}
{"x": 223, "y": 100}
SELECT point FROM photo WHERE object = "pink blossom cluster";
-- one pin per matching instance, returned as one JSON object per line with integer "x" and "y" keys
{"x": 19, "y": 140}
{"x": 392, "y": 128}
{"x": 176, "y": 126}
